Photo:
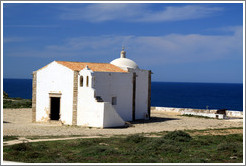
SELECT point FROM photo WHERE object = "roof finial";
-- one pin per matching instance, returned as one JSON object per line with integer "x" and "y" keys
{"x": 123, "y": 53}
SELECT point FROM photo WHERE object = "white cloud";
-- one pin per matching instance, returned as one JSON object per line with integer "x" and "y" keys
{"x": 102, "y": 12}
{"x": 137, "y": 12}
{"x": 146, "y": 50}
{"x": 157, "y": 50}
{"x": 179, "y": 13}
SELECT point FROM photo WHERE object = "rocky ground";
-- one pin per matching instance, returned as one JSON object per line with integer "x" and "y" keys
{"x": 17, "y": 122}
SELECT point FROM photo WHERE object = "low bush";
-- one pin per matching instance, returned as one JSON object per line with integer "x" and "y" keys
{"x": 5, "y": 95}
{"x": 179, "y": 136}
{"x": 229, "y": 146}
{"x": 157, "y": 143}
{"x": 136, "y": 138}
{"x": 97, "y": 149}
{"x": 20, "y": 103}
{"x": 168, "y": 148}
{"x": 22, "y": 147}
{"x": 9, "y": 138}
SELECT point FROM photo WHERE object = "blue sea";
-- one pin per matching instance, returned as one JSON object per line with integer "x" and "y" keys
{"x": 165, "y": 94}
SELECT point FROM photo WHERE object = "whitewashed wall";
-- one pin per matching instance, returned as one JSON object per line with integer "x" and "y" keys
{"x": 111, "y": 117}
{"x": 90, "y": 112}
{"x": 141, "y": 107}
{"x": 54, "y": 78}
{"x": 229, "y": 113}
{"x": 112, "y": 84}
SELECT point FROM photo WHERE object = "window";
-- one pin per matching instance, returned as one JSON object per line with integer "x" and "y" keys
{"x": 114, "y": 100}
{"x": 87, "y": 81}
{"x": 81, "y": 81}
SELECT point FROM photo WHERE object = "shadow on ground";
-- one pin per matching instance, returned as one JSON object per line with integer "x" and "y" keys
{"x": 153, "y": 120}
{"x": 142, "y": 121}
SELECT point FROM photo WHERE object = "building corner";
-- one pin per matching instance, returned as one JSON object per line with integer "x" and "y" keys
{"x": 75, "y": 97}
{"x": 34, "y": 93}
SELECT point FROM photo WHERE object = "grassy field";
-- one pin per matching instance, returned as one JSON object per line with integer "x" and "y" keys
{"x": 173, "y": 147}
{"x": 9, "y": 138}
{"x": 17, "y": 103}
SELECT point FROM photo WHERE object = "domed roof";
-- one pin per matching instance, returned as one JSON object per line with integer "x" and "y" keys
{"x": 124, "y": 62}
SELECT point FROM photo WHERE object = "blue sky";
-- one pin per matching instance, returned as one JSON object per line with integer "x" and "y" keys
{"x": 179, "y": 42}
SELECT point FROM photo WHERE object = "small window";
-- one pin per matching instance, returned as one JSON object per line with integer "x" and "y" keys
{"x": 114, "y": 100}
{"x": 87, "y": 81}
{"x": 81, "y": 81}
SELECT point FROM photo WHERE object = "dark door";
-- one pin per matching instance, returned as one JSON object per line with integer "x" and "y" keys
{"x": 55, "y": 108}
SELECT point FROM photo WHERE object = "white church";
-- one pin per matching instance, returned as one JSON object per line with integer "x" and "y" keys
{"x": 91, "y": 94}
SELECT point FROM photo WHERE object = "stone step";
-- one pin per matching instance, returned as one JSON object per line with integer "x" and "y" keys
{"x": 55, "y": 122}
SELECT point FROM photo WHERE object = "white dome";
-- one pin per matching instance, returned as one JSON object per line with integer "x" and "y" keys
{"x": 124, "y": 63}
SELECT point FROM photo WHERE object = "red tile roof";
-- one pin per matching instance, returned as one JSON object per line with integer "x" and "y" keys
{"x": 100, "y": 67}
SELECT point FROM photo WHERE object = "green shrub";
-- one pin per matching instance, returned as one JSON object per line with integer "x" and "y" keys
{"x": 195, "y": 160}
{"x": 136, "y": 138}
{"x": 88, "y": 142}
{"x": 150, "y": 159}
{"x": 22, "y": 147}
{"x": 156, "y": 143}
{"x": 20, "y": 103}
{"x": 233, "y": 138}
{"x": 99, "y": 150}
{"x": 179, "y": 136}
{"x": 42, "y": 147}
{"x": 34, "y": 154}
{"x": 169, "y": 148}
{"x": 60, "y": 159}
{"x": 5, "y": 95}
{"x": 17, "y": 98}
{"x": 229, "y": 146}
{"x": 7, "y": 103}
{"x": 8, "y": 138}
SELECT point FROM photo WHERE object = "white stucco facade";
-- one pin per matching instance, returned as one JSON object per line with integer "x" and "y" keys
{"x": 142, "y": 94}
{"x": 50, "y": 81}
{"x": 91, "y": 94}
{"x": 119, "y": 85}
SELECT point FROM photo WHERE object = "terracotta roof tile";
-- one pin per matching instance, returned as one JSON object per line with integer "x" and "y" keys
{"x": 101, "y": 67}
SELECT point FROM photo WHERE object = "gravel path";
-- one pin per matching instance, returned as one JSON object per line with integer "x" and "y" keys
{"x": 17, "y": 122}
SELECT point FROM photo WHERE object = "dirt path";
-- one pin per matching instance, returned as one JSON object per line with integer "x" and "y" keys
{"x": 25, "y": 140}
{"x": 217, "y": 132}
{"x": 17, "y": 122}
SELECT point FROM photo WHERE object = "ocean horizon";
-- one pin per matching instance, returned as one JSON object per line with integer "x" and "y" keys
{"x": 165, "y": 94}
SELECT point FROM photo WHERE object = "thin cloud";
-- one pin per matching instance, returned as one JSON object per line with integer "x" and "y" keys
{"x": 31, "y": 26}
{"x": 187, "y": 12}
{"x": 14, "y": 39}
{"x": 147, "y": 50}
{"x": 137, "y": 12}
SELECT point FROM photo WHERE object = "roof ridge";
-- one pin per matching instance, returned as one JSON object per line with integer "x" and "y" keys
{"x": 82, "y": 62}
{"x": 99, "y": 67}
